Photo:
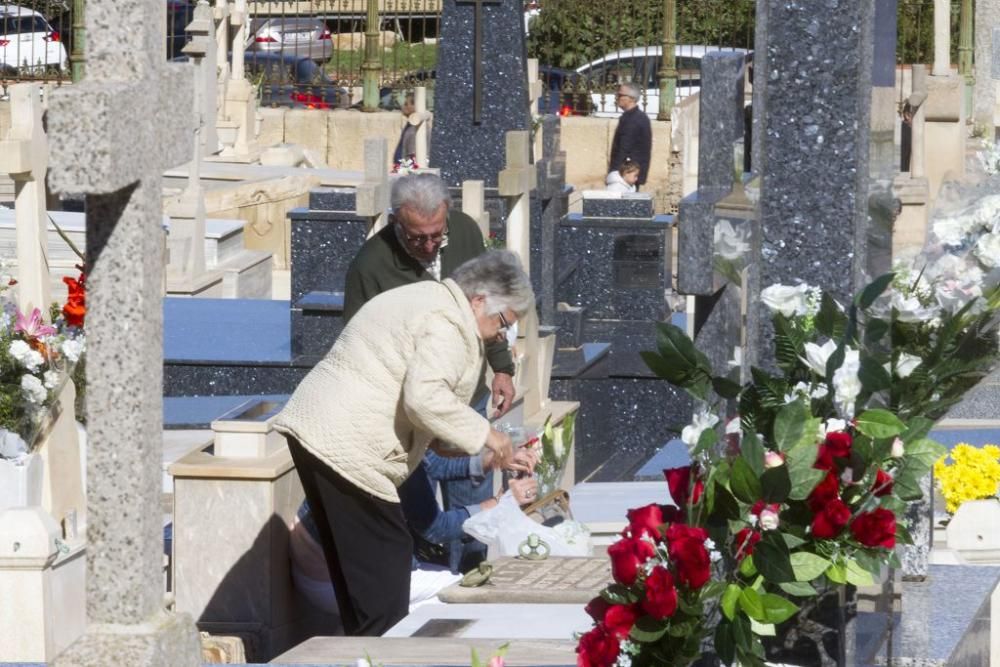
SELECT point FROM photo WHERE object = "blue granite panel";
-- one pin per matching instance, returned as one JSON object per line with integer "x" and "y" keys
{"x": 628, "y": 206}
{"x": 720, "y": 119}
{"x": 949, "y": 437}
{"x": 325, "y": 301}
{"x": 461, "y": 148}
{"x": 333, "y": 199}
{"x": 619, "y": 268}
{"x": 314, "y": 331}
{"x": 695, "y": 243}
{"x": 187, "y": 412}
{"x": 323, "y": 246}
{"x": 227, "y": 378}
{"x": 884, "y": 58}
{"x": 226, "y": 330}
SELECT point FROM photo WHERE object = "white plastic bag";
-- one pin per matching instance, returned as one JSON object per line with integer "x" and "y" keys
{"x": 504, "y": 527}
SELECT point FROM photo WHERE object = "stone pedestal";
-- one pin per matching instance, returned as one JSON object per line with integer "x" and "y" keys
{"x": 910, "y": 229}
{"x": 233, "y": 509}
{"x": 241, "y": 110}
{"x": 944, "y": 130}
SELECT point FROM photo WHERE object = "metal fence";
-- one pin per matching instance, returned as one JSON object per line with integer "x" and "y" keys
{"x": 35, "y": 41}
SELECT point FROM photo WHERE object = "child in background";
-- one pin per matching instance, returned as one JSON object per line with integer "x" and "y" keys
{"x": 623, "y": 180}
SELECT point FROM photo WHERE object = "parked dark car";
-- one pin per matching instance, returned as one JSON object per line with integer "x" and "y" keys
{"x": 286, "y": 80}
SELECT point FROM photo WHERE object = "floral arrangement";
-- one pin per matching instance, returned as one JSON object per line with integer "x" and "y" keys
{"x": 405, "y": 166}
{"x": 35, "y": 360}
{"x": 989, "y": 158}
{"x": 554, "y": 445}
{"x": 804, "y": 486}
{"x": 973, "y": 474}
{"x": 494, "y": 242}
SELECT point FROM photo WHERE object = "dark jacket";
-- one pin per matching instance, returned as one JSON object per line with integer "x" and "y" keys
{"x": 633, "y": 140}
{"x": 383, "y": 263}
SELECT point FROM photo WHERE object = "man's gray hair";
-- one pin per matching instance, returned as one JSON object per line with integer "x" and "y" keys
{"x": 632, "y": 90}
{"x": 423, "y": 193}
{"x": 498, "y": 276}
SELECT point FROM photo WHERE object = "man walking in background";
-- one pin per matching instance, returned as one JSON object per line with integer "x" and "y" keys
{"x": 634, "y": 136}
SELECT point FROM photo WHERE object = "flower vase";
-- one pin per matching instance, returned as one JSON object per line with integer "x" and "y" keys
{"x": 970, "y": 532}
{"x": 817, "y": 634}
{"x": 21, "y": 481}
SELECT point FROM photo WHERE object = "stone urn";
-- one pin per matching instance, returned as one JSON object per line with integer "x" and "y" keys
{"x": 971, "y": 534}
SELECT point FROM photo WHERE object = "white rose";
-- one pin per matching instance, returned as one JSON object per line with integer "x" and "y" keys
{"x": 773, "y": 460}
{"x": 897, "y": 449}
{"x": 909, "y": 308}
{"x": 846, "y": 383}
{"x": 692, "y": 433}
{"x": 906, "y": 364}
{"x": 768, "y": 519}
{"x": 787, "y": 300}
{"x": 51, "y": 379}
{"x": 33, "y": 390}
{"x": 72, "y": 349}
{"x": 988, "y": 249}
{"x": 817, "y": 356}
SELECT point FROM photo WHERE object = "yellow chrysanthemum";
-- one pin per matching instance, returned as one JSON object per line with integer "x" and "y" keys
{"x": 972, "y": 473}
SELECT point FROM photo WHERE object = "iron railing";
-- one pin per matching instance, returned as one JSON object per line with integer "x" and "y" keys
{"x": 35, "y": 41}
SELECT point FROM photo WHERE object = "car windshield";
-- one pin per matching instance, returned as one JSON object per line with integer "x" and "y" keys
{"x": 13, "y": 24}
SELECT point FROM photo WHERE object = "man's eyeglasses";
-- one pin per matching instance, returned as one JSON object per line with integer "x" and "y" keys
{"x": 504, "y": 324}
{"x": 422, "y": 239}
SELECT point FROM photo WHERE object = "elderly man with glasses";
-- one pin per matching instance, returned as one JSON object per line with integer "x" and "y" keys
{"x": 634, "y": 136}
{"x": 425, "y": 240}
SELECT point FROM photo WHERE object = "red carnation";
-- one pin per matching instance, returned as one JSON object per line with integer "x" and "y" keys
{"x": 627, "y": 556}
{"x": 619, "y": 619}
{"x": 597, "y": 648}
{"x": 75, "y": 309}
{"x": 661, "y": 595}
{"x": 679, "y": 482}
{"x": 830, "y": 520}
{"x": 646, "y": 521}
{"x": 837, "y": 445}
{"x": 883, "y": 483}
{"x": 686, "y": 546}
{"x": 825, "y": 492}
{"x": 875, "y": 529}
{"x": 745, "y": 540}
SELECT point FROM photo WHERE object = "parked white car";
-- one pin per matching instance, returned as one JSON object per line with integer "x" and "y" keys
{"x": 28, "y": 42}
{"x": 641, "y": 65}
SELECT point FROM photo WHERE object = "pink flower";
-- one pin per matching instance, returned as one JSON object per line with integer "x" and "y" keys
{"x": 495, "y": 661}
{"x": 33, "y": 327}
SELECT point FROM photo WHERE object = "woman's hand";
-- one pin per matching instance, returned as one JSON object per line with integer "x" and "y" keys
{"x": 501, "y": 448}
{"x": 525, "y": 491}
{"x": 524, "y": 460}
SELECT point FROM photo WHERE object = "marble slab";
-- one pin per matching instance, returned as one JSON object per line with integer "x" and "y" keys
{"x": 398, "y": 651}
{"x": 508, "y": 621}
{"x": 555, "y": 580}
{"x": 602, "y": 505}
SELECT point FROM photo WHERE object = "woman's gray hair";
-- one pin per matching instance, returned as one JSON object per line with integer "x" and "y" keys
{"x": 498, "y": 276}
{"x": 423, "y": 193}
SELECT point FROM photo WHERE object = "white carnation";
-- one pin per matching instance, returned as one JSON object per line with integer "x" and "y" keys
{"x": 988, "y": 249}
{"x": 33, "y": 390}
{"x": 27, "y": 357}
{"x": 73, "y": 348}
{"x": 50, "y": 379}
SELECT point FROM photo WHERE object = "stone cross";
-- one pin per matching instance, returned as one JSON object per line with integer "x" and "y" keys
{"x": 200, "y": 50}
{"x": 112, "y": 136}
{"x": 477, "y": 57}
{"x": 474, "y": 205}
{"x": 241, "y": 99}
{"x": 221, "y": 16}
{"x": 424, "y": 116}
{"x": 987, "y": 59}
{"x": 238, "y": 19}
{"x": 534, "y": 83}
{"x": 461, "y": 147}
{"x": 942, "y": 38}
{"x": 24, "y": 155}
{"x": 372, "y": 200}
{"x": 554, "y": 203}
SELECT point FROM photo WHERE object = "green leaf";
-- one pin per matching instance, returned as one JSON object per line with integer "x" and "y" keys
{"x": 879, "y": 424}
{"x": 743, "y": 482}
{"x": 648, "y": 630}
{"x": 725, "y": 642}
{"x": 663, "y": 369}
{"x": 777, "y": 609}
{"x": 775, "y": 485}
{"x": 762, "y": 629}
{"x": 729, "y": 600}
{"x": 801, "y": 589}
{"x": 747, "y": 567}
{"x": 830, "y": 320}
{"x": 873, "y": 290}
{"x": 803, "y": 476}
{"x": 874, "y": 377}
{"x": 807, "y": 566}
{"x": 857, "y": 575}
{"x": 875, "y": 330}
{"x": 835, "y": 361}
{"x": 725, "y": 387}
{"x": 921, "y": 454}
{"x": 789, "y": 425}
{"x": 676, "y": 348}
{"x": 618, "y": 594}
{"x": 837, "y": 573}
{"x": 792, "y": 541}
{"x": 751, "y": 604}
{"x": 772, "y": 558}
{"x": 916, "y": 428}
{"x": 706, "y": 441}
{"x": 752, "y": 452}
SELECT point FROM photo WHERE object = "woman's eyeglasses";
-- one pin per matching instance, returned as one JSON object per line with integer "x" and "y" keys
{"x": 504, "y": 325}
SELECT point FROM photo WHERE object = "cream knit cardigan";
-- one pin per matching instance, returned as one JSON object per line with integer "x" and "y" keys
{"x": 400, "y": 374}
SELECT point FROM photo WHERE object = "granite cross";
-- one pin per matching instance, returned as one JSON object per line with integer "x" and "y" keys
{"x": 111, "y": 137}
{"x": 24, "y": 155}
{"x": 477, "y": 61}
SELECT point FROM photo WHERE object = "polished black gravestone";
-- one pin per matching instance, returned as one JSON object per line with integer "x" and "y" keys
{"x": 464, "y": 146}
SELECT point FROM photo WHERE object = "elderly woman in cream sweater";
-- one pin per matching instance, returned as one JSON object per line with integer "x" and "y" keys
{"x": 397, "y": 381}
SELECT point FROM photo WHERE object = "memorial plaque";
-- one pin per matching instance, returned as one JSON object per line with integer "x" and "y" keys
{"x": 638, "y": 261}
{"x": 552, "y": 581}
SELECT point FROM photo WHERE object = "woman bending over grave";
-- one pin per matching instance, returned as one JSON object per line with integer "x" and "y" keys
{"x": 397, "y": 381}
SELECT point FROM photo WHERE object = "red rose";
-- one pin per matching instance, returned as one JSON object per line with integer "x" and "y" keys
{"x": 646, "y": 521}
{"x": 825, "y": 492}
{"x": 745, "y": 539}
{"x": 830, "y": 520}
{"x": 619, "y": 620}
{"x": 627, "y": 556}
{"x": 597, "y": 648}
{"x": 679, "y": 482}
{"x": 686, "y": 546}
{"x": 661, "y": 595}
{"x": 883, "y": 483}
{"x": 875, "y": 529}
{"x": 760, "y": 506}
{"x": 597, "y": 608}
{"x": 837, "y": 445}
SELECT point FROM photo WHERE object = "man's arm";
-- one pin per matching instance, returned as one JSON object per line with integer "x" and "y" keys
{"x": 359, "y": 288}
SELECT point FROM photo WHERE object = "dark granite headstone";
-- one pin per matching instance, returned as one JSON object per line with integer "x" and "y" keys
{"x": 550, "y": 205}
{"x": 462, "y": 148}
{"x": 333, "y": 199}
{"x": 625, "y": 206}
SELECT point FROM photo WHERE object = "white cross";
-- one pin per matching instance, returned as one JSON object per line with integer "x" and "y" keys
{"x": 372, "y": 197}
{"x": 474, "y": 205}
